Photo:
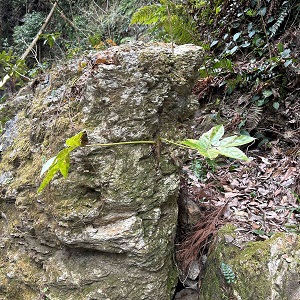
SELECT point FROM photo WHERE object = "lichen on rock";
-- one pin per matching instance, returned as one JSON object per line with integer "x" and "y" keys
{"x": 107, "y": 231}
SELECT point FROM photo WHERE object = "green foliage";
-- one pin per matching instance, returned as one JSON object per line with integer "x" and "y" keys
{"x": 50, "y": 38}
{"x": 97, "y": 23}
{"x": 25, "y": 33}
{"x": 201, "y": 167}
{"x": 74, "y": 27}
{"x": 95, "y": 39}
{"x": 227, "y": 273}
{"x": 12, "y": 65}
{"x": 284, "y": 11}
{"x": 168, "y": 21}
{"x": 248, "y": 52}
{"x": 209, "y": 145}
{"x": 60, "y": 162}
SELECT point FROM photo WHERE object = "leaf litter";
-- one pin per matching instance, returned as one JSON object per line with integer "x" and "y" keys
{"x": 259, "y": 198}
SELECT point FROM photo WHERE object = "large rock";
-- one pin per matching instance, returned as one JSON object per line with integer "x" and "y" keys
{"x": 264, "y": 270}
{"x": 107, "y": 232}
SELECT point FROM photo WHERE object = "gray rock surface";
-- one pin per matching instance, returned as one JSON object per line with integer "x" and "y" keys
{"x": 107, "y": 231}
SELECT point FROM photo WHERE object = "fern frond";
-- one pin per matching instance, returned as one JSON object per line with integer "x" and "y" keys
{"x": 284, "y": 11}
{"x": 254, "y": 115}
{"x": 228, "y": 273}
{"x": 170, "y": 19}
{"x": 148, "y": 15}
{"x": 184, "y": 31}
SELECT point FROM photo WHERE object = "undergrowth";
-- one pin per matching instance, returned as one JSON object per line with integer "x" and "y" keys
{"x": 251, "y": 47}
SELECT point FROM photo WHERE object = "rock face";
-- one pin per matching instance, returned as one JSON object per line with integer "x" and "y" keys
{"x": 107, "y": 231}
{"x": 266, "y": 270}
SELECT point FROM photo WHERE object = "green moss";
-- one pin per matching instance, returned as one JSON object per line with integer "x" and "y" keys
{"x": 250, "y": 265}
{"x": 227, "y": 229}
{"x": 23, "y": 274}
{"x": 172, "y": 280}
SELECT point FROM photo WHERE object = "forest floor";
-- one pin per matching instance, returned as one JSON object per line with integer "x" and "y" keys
{"x": 259, "y": 197}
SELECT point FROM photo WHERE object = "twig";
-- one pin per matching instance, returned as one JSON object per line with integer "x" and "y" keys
{"x": 24, "y": 55}
{"x": 68, "y": 20}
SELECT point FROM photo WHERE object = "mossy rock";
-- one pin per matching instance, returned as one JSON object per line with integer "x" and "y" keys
{"x": 264, "y": 270}
{"x": 107, "y": 231}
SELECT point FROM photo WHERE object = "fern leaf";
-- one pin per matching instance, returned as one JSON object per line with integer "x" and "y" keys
{"x": 148, "y": 15}
{"x": 170, "y": 19}
{"x": 284, "y": 11}
{"x": 254, "y": 116}
{"x": 228, "y": 273}
{"x": 183, "y": 31}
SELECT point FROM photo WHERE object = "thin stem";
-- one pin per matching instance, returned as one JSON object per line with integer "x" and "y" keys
{"x": 171, "y": 28}
{"x": 121, "y": 143}
{"x": 137, "y": 142}
{"x": 174, "y": 143}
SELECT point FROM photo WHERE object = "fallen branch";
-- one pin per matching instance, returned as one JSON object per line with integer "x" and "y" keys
{"x": 25, "y": 54}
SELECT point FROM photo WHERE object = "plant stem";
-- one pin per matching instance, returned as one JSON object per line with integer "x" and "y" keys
{"x": 174, "y": 143}
{"x": 137, "y": 142}
{"x": 121, "y": 143}
{"x": 171, "y": 28}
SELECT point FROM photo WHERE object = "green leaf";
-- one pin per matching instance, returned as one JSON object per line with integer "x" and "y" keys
{"x": 218, "y": 9}
{"x": 280, "y": 47}
{"x": 251, "y": 13}
{"x": 235, "y": 140}
{"x": 196, "y": 144}
{"x": 233, "y": 152}
{"x": 286, "y": 53}
{"x": 64, "y": 165}
{"x": 146, "y": 15}
{"x": 245, "y": 44}
{"x": 212, "y": 153}
{"x": 52, "y": 171}
{"x": 47, "y": 165}
{"x": 213, "y": 43}
{"x": 261, "y": 102}
{"x": 263, "y": 11}
{"x": 223, "y": 64}
{"x": 60, "y": 162}
{"x": 205, "y": 139}
{"x": 203, "y": 73}
{"x": 259, "y": 232}
{"x": 267, "y": 93}
{"x": 276, "y": 105}
{"x": 75, "y": 141}
{"x": 236, "y": 36}
{"x": 216, "y": 133}
{"x": 251, "y": 33}
{"x": 233, "y": 49}
{"x": 288, "y": 62}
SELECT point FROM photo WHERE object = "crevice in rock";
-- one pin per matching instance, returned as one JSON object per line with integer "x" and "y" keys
{"x": 196, "y": 228}
{"x": 179, "y": 287}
